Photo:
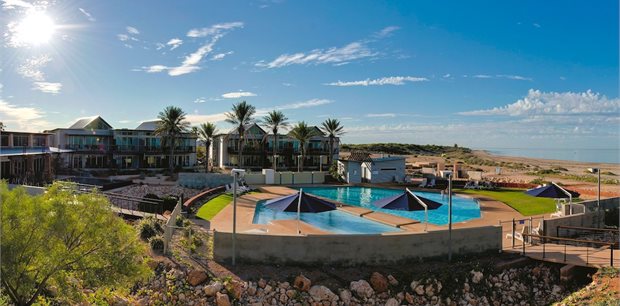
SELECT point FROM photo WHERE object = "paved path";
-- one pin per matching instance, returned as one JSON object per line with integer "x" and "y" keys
{"x": 575, "y": 255}
{"x": 137, "y": 213}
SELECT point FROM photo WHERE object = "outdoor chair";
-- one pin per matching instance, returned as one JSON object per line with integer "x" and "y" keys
{"x": 519, "y": 235}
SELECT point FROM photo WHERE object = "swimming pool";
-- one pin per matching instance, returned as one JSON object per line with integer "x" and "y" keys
{"x": 463, "y": 209}
{"x": 333, "y": 221}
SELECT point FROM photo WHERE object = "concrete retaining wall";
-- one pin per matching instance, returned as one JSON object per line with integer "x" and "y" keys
{"x": 254, "y": 178}
{"x": 605, "y": 204}
{"x": 356, "y": 249}
{"x": 583, "y": 220}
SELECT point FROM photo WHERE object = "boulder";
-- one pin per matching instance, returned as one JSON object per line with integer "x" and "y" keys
{"x": 321, "y": 293}
{"x": 392, "y": 302}
{"x": 409, "y": 298}
{"x": 222, "y": 300}
{"x": 196, "y": 277}
{"x": 362, "y": 289}
{"x": 213, "y": 289}
{"x": 345, "y": 297}
{"x": 302, "y": 283}
{"x": 378, "y": 282}
{"x": 419, "y": 290}
{"x": 392, "y": 280}
{"x": 476, "y": 277}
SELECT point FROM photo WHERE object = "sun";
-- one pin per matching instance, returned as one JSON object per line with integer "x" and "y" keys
{"x": 35, "y": 29}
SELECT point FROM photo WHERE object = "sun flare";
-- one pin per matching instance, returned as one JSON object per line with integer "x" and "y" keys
{"x": 35, "y": 29}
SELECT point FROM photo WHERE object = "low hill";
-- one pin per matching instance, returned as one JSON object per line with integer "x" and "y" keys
{"x": 407, "y": 149}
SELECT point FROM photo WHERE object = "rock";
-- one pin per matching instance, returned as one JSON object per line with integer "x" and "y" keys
{"x": 439, "y": 286}
{"x": 536, "y": 271}
{"x": 419, "y": 290}
{"x": 283, "y": 298}
{"x": 268, "y": 289}
{"x": 409, "y": 298}
{"x": 392, "y": 302}
{"x": 222, "y": 300}
{"x": 345, "y": 296}
{"x": 302, "y": 283}
{"x": 392, "y": 280}
{"x": 119, "y": 301}
{"x": 213, "y": 289}
{"x": 235, "y": 288}
{"x": 556, "y": 290}
{"x": 466, "y": 287}
{"x": 362, "y": 289}
{"x": 262, "y": 283}
{"x": 251, "y": 290}
{"x": 284, "y": 285}
{"x": 414, "y": 284}
{"x": 321, "y": 293}
{"x": 196, "y": 277}
{"x": 291, "y": 293}
{"x": 429, "y": 290}
{"x": 378, "y": 282}
{"x": 476, "y": 276}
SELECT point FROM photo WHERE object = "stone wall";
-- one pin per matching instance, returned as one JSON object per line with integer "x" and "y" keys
{"x": 356, "y": 249}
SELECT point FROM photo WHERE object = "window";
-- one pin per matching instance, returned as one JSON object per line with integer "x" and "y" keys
{"x": 4, "y": 141}
{"x": 39, "y": 141}
{"x": 20, "y": 140}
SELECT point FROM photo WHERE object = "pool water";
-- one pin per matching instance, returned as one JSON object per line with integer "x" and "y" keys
{"x": 463, "y": 209}
{"x": 333, "y": 221}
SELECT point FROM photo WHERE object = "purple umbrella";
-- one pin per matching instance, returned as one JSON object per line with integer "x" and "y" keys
{"x": 408, "y": 201}
{"x": 300, "y": 202}
{"x": 553, "y": 191}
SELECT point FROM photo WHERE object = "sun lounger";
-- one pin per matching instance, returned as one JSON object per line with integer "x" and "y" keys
{"x": 423, "y": 184}
{"x": 518, "y": 235}
{"x": 431, "y": 184}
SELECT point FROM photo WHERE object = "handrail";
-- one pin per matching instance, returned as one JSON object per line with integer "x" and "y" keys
{"x": 568, "y": 239}
{"x": 593, "y": 229}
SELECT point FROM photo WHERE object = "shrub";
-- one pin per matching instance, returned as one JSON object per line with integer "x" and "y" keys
{"x": 179, "y": 221}
{"x": 146, "y": 230}
{"x": 157, "y": 243}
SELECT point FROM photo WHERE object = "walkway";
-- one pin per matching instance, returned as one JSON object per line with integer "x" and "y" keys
{"x": 568, "y": 254}
{"x": 136, "y": 213}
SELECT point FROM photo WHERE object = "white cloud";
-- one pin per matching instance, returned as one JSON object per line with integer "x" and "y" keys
{"x": 195, "y": 119}
{"x": 556, "y": 103}
{"x": 191, "y": 61}
{"x": 304, "y": 104}
{"x": 447, "y": 75}
{"x": 536, "y": 25}
{"x": 132, "y": 30}
{"x": 124, "y": 121}
{"x": 220, "y": 56}
{"x": 333, "y": 55}
{"x": 394, "y": 80}
{"x": 238, "y": 94}
{"x": 200, "y": 100}
{"x": 384, "y": 115}
{"x": 214, "y": 29}
{"x": 501, "y": 76}
{"x": 47, "y": 87}
{"x": 387, "y": 31}
{"x": 174, "y": 43}
{"x": 11, "y": 4}
{"x": 123, "y": 37}
{"x": 159, "y": 46}
{"x": 21, "y": 118}
{"x": 31, "y": 68}
{"x": 87, "y": 14}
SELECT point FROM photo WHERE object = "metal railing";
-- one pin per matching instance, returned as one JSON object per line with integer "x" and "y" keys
{"x": 529, "y": 222}
{"x": 572, "y": 242}
{"x": 611, "y": 235}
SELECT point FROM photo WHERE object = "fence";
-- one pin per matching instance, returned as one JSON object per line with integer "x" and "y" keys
{"x": 355, "y": 249}
{"x": 568, "y": 245}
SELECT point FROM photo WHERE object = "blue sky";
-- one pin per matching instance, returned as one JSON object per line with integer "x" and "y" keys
{"x": 480, "y": 74}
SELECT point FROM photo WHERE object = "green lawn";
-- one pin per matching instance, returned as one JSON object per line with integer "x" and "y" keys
{"x": 211, "y": 208}
{"x": 516, "y": 198}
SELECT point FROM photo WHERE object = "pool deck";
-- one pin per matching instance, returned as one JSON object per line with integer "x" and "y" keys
{"x": 491, "y": 212}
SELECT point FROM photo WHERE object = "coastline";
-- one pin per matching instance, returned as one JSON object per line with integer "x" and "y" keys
{"x": 526, "y": 159}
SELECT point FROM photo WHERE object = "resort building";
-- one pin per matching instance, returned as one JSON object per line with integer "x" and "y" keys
{"x": 361, "y": 168}
{"x": 92, "y": 143}
{"x": 26, "y": 157}
{"x": 259, "y": 146}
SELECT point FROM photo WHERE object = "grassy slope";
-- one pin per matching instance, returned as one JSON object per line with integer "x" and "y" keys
{"x": 516, "y": 198}
{"x": 211, "y": 208}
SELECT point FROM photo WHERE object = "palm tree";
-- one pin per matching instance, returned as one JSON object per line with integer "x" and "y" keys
{"x": 170, "y": 126}
{"x": 333, "y": 129}
{"x": 302, "y": 132}
{"x": 275, "y": 120}
{"x": 206, "y": 132}
{"x": 241, "y": 115}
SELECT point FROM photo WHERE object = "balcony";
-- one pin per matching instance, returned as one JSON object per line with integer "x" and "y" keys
{"x": 98, "y": 148}
{"x": 132, "y": 149}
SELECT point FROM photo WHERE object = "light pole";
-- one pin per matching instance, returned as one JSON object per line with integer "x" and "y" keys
{"x": 598, "y": 192}
{"x": 450, "y": 217}
{"x": 237, "y": 173}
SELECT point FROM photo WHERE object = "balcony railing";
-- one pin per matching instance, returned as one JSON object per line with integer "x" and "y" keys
{"x": 129, "y": 149}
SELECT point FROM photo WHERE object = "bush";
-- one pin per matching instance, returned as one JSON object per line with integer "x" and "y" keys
{"x": 157, "y": 243}
{"x": 179, "y": 221}
{"x": 146, "y": 230}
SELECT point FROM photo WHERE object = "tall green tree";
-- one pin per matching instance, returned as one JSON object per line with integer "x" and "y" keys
{"x": 333, "y": 129}
{"x": 206, "y": 132}
{"x": 65, "y": 241}
{"x": 242, "y": 114}
{"x": 275, "y": 120}
{"x": 302, "y": 132}
{"x": 171, "y": 126}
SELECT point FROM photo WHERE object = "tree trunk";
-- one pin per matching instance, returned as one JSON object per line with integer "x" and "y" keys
{"x": 240, "y": 154}
{"x": 171, "y": 161}
{"x": 275, "y": 142}
{"x": 331, "y": 152}
{"x": 207, "y": 163}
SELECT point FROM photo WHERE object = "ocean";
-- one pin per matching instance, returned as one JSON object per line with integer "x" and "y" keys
{"x": 581, "y": 155}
